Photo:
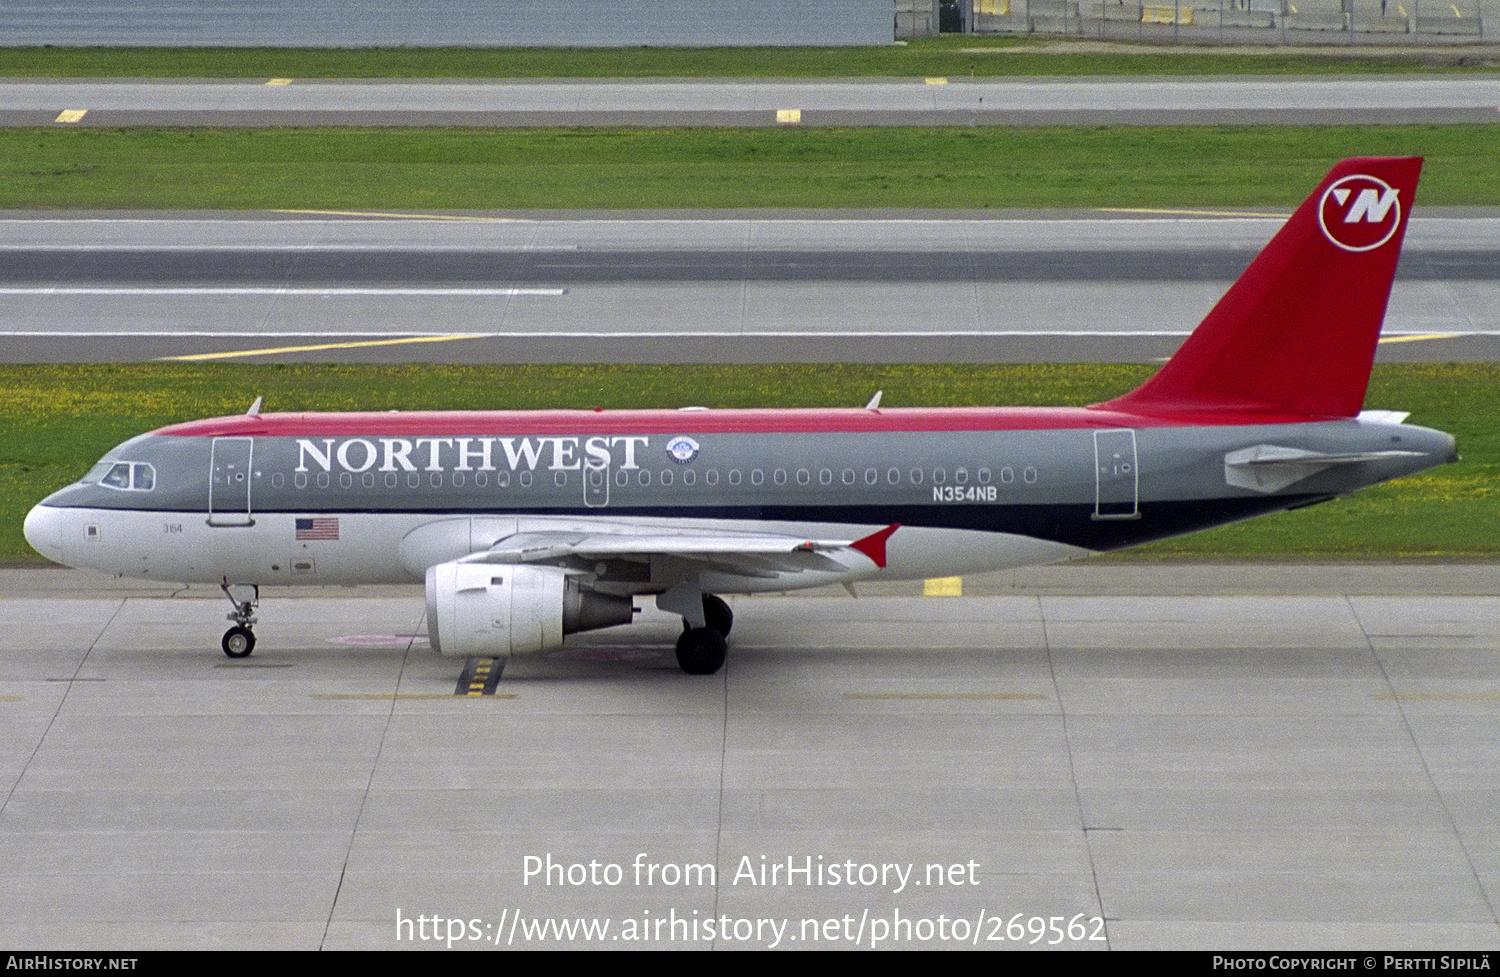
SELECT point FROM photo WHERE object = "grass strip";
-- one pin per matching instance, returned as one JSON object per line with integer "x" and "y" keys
{"x": 480, "y": 169}
{"x": 960, "y": 56}
{"x": 55, "y": 421}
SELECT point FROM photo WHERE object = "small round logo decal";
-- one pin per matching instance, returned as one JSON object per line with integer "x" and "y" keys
{"x": 1359, "y": 213}
{"x": 682, "y": 449}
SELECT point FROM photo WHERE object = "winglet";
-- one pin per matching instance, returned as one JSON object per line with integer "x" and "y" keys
{"x": 873, "y": 545}
{"x": 1296, "y": 334}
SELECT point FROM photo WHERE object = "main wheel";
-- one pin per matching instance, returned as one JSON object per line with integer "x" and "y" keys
{"x": 701, "y": 651}
{"x": 717, "y": 615}
{"x": 238, "y": 642}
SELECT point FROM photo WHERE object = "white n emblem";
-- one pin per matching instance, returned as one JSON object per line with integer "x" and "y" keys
{"x": 1360, "y": 213}
{"x": 1369, "y": 206}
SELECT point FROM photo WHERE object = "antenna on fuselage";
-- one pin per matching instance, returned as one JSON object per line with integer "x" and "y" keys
{"x": 254, "y": 410}
{"x": 874, "y": 403}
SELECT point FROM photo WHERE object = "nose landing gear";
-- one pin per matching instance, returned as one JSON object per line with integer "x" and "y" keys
{"x": 239, "y": 640}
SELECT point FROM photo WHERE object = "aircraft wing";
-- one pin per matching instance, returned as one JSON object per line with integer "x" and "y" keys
{"x": 735, "y": 554}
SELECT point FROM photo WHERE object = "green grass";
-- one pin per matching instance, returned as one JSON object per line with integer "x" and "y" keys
{"x": 478, "y": 169}
{"x": 55, "y": 421}
{"x": 951, "y": 56}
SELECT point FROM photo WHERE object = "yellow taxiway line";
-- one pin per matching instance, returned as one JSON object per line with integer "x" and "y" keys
{"x": 274, "y": 351}
{"x": 416, "y": 217}
{"x": 1422, "y": 337}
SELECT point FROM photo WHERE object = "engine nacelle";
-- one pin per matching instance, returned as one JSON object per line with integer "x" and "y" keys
{"x": 487, "y": 611}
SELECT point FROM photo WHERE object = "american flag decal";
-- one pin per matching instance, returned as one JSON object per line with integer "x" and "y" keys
{"x": 324, "y": 527}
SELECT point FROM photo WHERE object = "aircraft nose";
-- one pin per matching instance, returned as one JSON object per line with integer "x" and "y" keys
{"x": 43, "y": 529}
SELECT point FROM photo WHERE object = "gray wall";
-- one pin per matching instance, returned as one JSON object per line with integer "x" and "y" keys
{"x": 478, "y": 23}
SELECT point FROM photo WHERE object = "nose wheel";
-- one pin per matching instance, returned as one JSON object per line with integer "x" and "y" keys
{"x": 239, "y": 640}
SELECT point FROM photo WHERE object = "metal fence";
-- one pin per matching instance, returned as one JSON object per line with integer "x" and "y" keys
{"x": 1258, "y": 22}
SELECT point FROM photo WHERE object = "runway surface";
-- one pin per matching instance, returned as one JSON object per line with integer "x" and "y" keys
{"x": 1073, "y": 286}
{"x": 1409, "y": 99}
{"x": 1159, "y": 757}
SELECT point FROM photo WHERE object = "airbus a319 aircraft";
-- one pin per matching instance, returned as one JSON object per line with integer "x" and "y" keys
{"x": 527, "y": 526}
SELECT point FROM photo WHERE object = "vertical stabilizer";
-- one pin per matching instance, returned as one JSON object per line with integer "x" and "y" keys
{"x": 1296, "y": 334}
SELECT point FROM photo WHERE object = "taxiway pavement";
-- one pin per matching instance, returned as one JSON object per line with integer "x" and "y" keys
{"x": 1072, "y": 286}
{"x": 1355, "y": 100}
{"x": 1194, "y": 757}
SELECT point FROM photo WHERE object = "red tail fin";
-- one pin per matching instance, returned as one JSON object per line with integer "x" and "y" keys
{"x": 1297, "y": 333}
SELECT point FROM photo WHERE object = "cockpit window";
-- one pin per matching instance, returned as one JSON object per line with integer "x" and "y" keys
{"x": 123, "y": 475}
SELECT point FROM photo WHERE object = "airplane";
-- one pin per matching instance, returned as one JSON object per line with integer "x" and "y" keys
{"x": 527, "y": 526}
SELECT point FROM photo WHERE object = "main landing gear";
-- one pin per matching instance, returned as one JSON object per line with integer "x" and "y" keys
{"x": 239, "y": 640}
{"x": 701, "y": 650}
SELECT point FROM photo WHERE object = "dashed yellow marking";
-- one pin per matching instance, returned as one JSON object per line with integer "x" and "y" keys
{"x": 71, "y": 115}
{"x": 275, "y": 351}
{"x": 279, "y": 81}
{"x": 480, "y": 678}
{"x": 944, "y": 695}
{"x": 788, "y": 117}
{"x": 936, "y": 81}
{"x": 1421, "y": 338}
{"x": 943, "y": 587}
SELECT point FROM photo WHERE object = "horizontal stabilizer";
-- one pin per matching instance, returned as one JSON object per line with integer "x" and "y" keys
{"x": 1272, "y": 467}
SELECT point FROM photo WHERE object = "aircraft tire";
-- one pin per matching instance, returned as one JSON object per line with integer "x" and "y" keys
{"x": 238, "y": 642}
{"x": 701, "y": 651}
{"x": 716, "y": 614}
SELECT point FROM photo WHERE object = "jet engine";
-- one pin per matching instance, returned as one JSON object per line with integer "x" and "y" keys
{"x": 487, "y": 611}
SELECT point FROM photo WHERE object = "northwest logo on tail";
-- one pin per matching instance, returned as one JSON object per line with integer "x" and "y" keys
{"x": 1359, "y": 213}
